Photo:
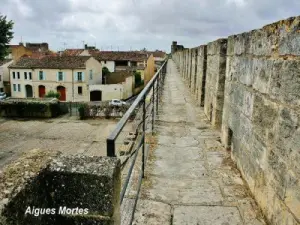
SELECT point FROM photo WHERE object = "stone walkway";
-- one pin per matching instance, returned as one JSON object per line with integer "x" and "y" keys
{"x": 190, "y": 178}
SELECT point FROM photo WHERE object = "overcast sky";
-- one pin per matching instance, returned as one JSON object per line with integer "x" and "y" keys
{"x": 135, "y": 24}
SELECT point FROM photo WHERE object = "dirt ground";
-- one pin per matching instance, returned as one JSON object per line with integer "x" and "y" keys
{"x": 66, "y": 134}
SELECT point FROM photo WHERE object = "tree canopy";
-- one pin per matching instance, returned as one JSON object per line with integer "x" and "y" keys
{"x": 138, "y": 79}
{"x": 6, "y": 35}
{"x": 105, "y": 71}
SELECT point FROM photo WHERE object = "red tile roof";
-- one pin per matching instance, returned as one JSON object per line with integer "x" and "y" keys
{"x": 2, "y": 62}
{"x": 39, "y": 55}
{"x": 119, "y": 56}
{"x": 159, "y": 54}
{"x": 52, "y": 62}
{"x": 72, "y": 52}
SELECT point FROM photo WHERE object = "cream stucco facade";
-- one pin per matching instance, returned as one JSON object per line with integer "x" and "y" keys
{"x": 115, "y": 91}
{"x": 149, "y": 70}
{"x": 43, "y": 80}
{"x": 4, "y": 77}
{"x": 109, "y": 64}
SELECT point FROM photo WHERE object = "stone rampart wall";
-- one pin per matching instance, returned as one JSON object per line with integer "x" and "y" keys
{"x": 250, "y": 84}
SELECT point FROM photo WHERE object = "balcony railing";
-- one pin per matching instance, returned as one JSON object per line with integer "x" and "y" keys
{"x": 138, "y": 122}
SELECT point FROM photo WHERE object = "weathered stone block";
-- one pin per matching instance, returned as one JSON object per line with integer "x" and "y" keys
{"x": 285, "y": 81}
{"x": 46, "y": 181}
{"x": 262, "y": 42}
{"x": 22, "y": 184}
{"x": 238, "y": 44}
{"x": 289, "y": 41}
{"x": 215, "y": 81}
{"x": 95, "y": 179}
{"x": 261, "y": 70}
{"x": 278, "y": 172}
{"x": 264, "y": 114}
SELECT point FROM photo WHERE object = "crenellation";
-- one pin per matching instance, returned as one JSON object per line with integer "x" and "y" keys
{"x": 251, "y": 91}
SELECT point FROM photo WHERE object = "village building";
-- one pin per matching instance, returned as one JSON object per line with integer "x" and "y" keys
{"x": 68, "y": 75}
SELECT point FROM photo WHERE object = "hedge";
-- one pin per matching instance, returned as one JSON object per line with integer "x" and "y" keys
{"x": 45, "y": 109}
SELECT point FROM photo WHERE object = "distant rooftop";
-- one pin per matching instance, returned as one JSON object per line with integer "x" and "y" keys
{"x": 52, "y": 62}
{"x": 119, "y": 56}
{"x": 2, "y": 62}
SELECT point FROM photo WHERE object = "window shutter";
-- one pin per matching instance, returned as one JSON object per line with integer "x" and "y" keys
{"x": 63, "y": 76}
{"x": 75, "y": 76}
{"x": 44, "y": 75}
{"x": 82, "y": 76}
{"x": 57, "y": 76}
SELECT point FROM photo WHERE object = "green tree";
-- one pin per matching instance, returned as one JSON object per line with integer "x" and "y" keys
{"x": 6, "y": 35}
{"x": 138, "y": 79}
{"x": 105, "y": 71}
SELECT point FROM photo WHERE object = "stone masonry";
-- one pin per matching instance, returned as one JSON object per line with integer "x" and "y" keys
{"x": 49, "y": 180}
{"x": 215, "y": 79}
{"x": 252, "y": 94}
{"x": 194, "y": 56}
{"x": 190, "y": 178}
{"x": 201, "y": 74}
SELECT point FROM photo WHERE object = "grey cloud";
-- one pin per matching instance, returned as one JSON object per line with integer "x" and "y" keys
{"x": 137, "y": 23}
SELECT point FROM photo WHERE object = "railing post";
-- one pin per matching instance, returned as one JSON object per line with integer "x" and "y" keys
{"x": 110, "y": 147}
{"x": 157, "y": 97}
{"x": 153, "y": 104}
{"x": 144, "y": 135}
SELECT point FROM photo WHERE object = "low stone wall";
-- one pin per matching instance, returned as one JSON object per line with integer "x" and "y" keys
{"x": 252, "y": 93}
{"x": 46, "y": 188}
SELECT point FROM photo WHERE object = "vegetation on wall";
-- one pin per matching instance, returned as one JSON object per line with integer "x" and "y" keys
{"x": 6, "y": 35}
{"x": 52, "y": 94}
{"x": 138, "y": 79}
{"x": 105, "y": 71}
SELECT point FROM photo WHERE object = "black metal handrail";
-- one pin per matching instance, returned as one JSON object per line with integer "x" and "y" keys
{"x": 156, "y": 85}
{"x": 110, "y": 141}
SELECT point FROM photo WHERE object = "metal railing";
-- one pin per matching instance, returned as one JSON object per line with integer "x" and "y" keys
{"x": 152, "y": 91}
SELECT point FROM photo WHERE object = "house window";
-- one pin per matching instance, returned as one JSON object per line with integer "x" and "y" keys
{"x": 91, "y": 74}
{"x": 18, "y": 75}
{"x": 104, "y": 61}
{"x": 0, "y": 78}
{"x": 60, "y": 76}
{"x": 79, "y": 76}
{"x": 41, "y": 75}
{"x": 25, "y": 75}
{"x": 19, "y": 87}
{"x": 15, "y": 87}
{"x": 14, "y": 75}
{"x": 30, "y": 77}
{"x": 79, "y": 90}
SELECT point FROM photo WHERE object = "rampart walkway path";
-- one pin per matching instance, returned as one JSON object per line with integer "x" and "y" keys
{"x": 190, "y": 178}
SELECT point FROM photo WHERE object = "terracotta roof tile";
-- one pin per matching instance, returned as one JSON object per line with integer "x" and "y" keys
{"x": 40, "y": 55}
{"x": 2, "y": 62}
{"x": 159, "y": 54}
{"x": 72, "y": 52}
{"x": 119, "y": 55}
{"x": 52, "y": 62}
